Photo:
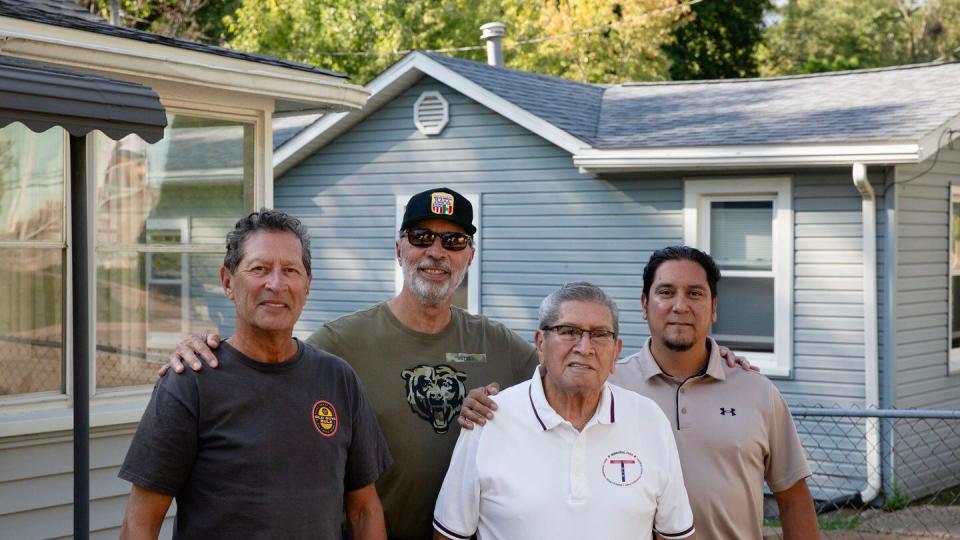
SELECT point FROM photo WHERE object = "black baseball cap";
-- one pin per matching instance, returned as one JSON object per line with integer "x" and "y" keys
{"x": 439, "y": 203}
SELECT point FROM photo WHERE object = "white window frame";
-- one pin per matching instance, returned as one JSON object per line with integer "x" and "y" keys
{"x": 46, "y": 412}
{"x": 473, "y": 274}
{"x": 698, "y": 194}
{"x": 182, "y": 225}
{"x": 14, "y": 404}
{"x": 953, "y": 354}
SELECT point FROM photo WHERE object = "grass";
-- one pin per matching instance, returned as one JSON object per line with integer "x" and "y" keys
{"x": 834, "y": 521}
{"x": 898, "y": 500}
{"x": 947, "y": 497}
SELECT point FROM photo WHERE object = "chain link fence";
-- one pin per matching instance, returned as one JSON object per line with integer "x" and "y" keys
{"x": 880, "y": 474}
{"x": 30, "y": 365}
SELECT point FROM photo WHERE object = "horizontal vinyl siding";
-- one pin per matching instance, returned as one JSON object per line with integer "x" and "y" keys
{"x": 36, "y": 484}
{"x": 598, "y": 230}
{"x": 828, "y": 292}
{"x": 925, "y": 451}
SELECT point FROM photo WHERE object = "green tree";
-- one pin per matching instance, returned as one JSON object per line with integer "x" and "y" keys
{"x": 719, "y": 40}
{"x": 588, "y": 40}
{"x": 826, "y": 35}
{"x": 194, "y": 20}
{"x": 598, "y": 41}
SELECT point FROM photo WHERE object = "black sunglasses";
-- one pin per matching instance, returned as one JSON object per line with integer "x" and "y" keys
{"x": 423, "y": 238}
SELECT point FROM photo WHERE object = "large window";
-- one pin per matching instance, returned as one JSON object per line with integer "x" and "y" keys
{"x": 746, "y": 225}
{"x": 954, "y": 285}
{"x": 163, "y": 211}
{"x": 32, "y": 251}
{"x": 468, "y": 294}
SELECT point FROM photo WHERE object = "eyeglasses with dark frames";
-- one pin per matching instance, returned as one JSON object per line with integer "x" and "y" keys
{"x": 424, "y": 238}
{"x": 574, "y": 333}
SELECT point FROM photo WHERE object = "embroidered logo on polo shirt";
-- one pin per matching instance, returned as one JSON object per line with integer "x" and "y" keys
{"x": 441, "y": 203}
{"x": 731, "y": 411}
{"x": 325, "y": 418}
{"x": 622, "y": 468}
{"x": 435, "y": 394}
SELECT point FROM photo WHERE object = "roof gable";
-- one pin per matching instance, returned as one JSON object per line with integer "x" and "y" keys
{"x": 415, "y": 65}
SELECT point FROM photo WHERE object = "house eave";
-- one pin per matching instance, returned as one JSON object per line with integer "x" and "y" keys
{"x": 745, "y": 157}
{"x": 135, "y": 60}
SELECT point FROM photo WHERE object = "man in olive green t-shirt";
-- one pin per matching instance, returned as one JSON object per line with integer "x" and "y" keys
{"x": 416, "y": 354}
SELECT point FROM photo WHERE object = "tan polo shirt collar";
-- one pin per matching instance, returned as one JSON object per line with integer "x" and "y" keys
{"x": 649, "y": 366}
{"x": 547, "y": 418}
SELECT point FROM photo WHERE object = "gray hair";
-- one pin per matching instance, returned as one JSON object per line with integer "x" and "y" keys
{"x": 580, "y": 291}
{"x": 264, "y": 220}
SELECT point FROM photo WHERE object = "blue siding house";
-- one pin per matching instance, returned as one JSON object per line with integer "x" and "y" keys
{"x": 828, "y": 200}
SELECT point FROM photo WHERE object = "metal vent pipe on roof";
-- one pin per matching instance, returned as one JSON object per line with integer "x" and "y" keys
{"x": 493, "y": 33}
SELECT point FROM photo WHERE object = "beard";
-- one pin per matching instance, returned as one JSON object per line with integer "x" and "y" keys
{"x": 677, "y": 344}
{"x": 428, "y": 292}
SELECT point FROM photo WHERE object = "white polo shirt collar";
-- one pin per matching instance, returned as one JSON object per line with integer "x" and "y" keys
{"x": 547, "y": 418}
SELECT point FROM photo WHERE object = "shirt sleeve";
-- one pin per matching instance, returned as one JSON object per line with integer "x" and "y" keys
{"x": 324, "y": 338}
{"x": 786, "y": 464}
{"x": 674, "y": 518}
{"x": 164, "y": 448}
{"x": 369, "y": 455}
{"x": 457, "y": 513}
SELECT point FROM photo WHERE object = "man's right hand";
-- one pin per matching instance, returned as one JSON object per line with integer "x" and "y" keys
{"x": 477, "y": 407}
{"x": 187, "y": 352}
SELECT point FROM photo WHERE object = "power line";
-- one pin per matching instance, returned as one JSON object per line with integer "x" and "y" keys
{"x": 400, "y": 52}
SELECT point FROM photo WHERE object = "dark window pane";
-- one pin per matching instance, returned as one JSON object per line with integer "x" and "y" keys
{"x": 745, "y": 314}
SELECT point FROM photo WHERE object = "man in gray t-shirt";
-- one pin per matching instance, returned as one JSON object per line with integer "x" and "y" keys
{"x": 279, "y": 441}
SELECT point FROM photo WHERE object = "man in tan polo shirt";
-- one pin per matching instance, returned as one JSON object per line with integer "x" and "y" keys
{"x": 732, "y": 426}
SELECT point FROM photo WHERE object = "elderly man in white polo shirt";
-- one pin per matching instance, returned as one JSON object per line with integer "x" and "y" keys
{"x": 570, "y": 456}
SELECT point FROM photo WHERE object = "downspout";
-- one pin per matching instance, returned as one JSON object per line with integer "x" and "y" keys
{"x": 871, "y": 368}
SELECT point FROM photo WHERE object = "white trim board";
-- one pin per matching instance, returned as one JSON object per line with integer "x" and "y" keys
{"x": 697, "y": 193}
{"x": 130, "y": 59}
{"x": 595, "y": 160}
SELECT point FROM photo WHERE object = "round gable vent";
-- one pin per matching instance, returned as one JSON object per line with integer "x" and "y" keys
{"x": 431, "y": 113}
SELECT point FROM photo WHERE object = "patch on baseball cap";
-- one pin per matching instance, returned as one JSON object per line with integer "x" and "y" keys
{"x": 441, "y": 203}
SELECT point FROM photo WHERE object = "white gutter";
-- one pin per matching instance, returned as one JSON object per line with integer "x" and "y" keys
{"x": 601, "y": 160}
{"x": 871, "y": 368}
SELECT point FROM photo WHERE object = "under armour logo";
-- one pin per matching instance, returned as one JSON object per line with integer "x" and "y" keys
{"x": 724, "y": 411}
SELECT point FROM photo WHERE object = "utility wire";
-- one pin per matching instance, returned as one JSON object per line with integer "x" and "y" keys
{"x": 400, "y": 52}
{"x": 936, "y": 157}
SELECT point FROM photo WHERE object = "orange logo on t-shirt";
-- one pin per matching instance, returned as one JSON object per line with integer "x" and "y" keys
{"x": 325, "y": 418}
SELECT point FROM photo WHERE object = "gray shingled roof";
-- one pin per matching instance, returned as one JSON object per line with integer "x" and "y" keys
{"x": 571, "y": 106}
{"x": 892, "y": 104}
{"x": 64, "y": 7}
{"x": 45, "y": 13}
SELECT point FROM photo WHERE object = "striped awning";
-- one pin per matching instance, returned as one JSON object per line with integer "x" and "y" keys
{"x": 41, "y": 96}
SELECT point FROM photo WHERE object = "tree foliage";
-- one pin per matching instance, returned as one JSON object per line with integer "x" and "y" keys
{"x": 587, "y": 40}
{"x": 828, "y": 35}
{"x": 194, "y": 20}
{"x": 719, "y": 40}
{"x": 599, "y": 41}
